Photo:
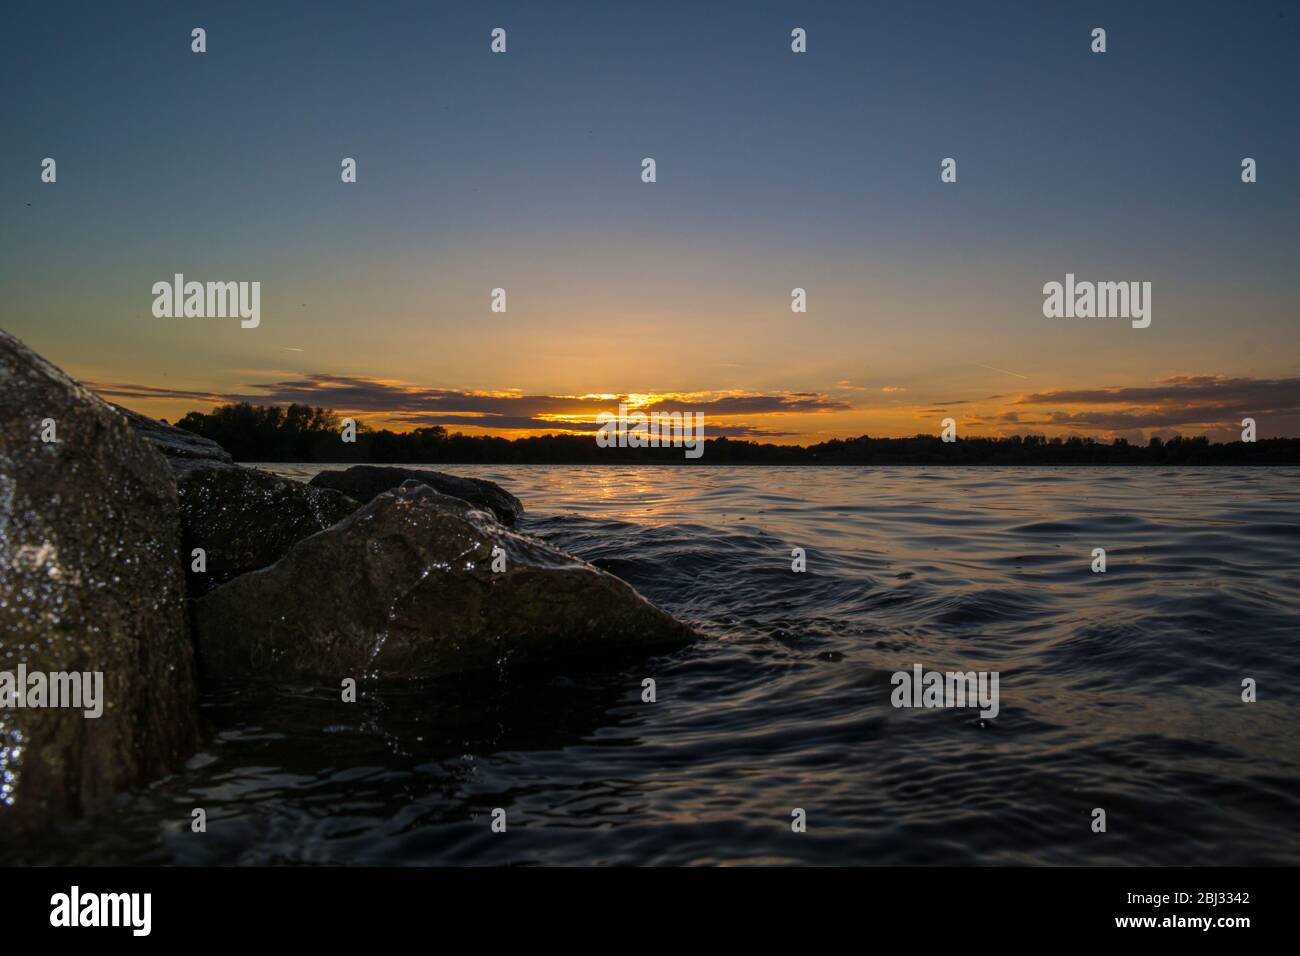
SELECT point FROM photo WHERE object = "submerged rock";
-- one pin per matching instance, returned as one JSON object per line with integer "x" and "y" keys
{"x": 405, "y": 587}
{"x": 90, "y": 582}
{"x": 245, "y": 519}
{"x": 174, "y": 443}
{"x": 364, "y": 482}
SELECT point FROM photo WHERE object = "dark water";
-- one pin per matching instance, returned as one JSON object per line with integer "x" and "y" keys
{"x": 1119, "y": 690}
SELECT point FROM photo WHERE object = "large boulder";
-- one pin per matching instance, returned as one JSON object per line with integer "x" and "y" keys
{"x": 364, "y": 482}
{"x": 245, "y": 519}
{"x": 90, "y": 583}
{"x": 405, "y": 587}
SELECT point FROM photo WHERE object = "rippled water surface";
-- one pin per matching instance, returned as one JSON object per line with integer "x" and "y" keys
{"x": 1119, "y": 690}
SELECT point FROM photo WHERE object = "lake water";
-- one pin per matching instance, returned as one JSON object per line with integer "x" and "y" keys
{"x": 1119, "y": 690}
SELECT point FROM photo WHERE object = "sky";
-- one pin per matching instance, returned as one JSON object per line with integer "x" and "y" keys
{"x": 775, "y": 170}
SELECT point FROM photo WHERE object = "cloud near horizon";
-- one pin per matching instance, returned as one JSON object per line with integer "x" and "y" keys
{"x": 402, "y": 404}
{"x": 1206, "y": 402}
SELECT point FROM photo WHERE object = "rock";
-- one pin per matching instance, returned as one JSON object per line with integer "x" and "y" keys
{"x": 245, "y": 519}
{"x": 175, "y": 443}
{"x": 405, "y": 587}
{"x": 90, "y": 581}
{"x": 242, "y": 518}
{"x": 364, "y": 482}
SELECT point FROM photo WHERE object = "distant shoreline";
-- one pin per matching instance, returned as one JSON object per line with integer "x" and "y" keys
{"x": 301, "y": 434}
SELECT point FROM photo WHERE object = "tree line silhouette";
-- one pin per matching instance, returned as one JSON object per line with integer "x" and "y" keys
{"x": 302, "y": 433}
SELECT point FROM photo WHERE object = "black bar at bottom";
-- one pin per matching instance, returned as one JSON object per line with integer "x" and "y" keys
{"x": 333, "y": 905}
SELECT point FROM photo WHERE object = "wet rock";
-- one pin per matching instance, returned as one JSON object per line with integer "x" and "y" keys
{"x": 405, "y": 587}
{"x": 90, "y": 581}
{"x": 242, "y": 518}
{"x": 174, "y": 443}
{"x": 245, "y": 519}
{"x": 364, "y": 482}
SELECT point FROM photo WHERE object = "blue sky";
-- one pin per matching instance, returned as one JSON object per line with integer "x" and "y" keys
{"x": 775, "y": 170}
